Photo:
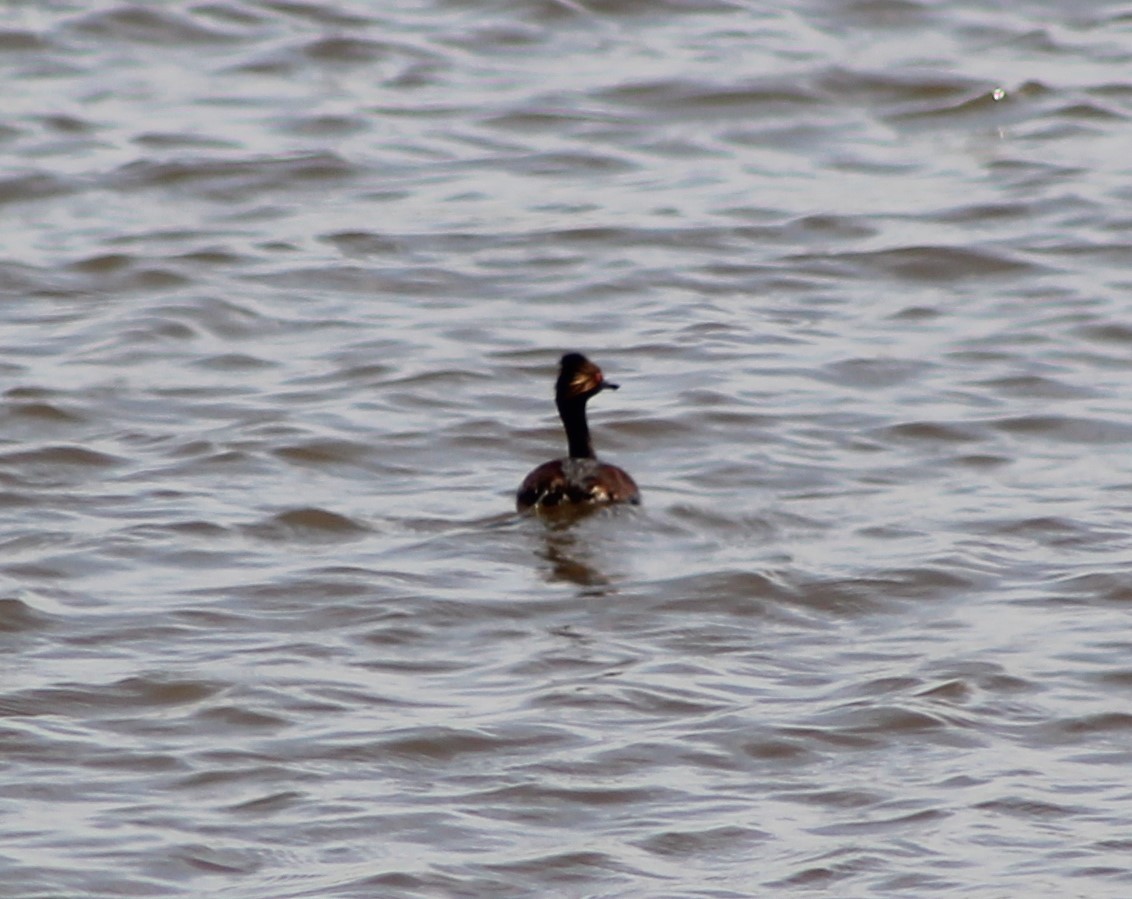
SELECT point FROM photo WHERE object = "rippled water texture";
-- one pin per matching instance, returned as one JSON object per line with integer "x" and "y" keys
{"x": 284, "y": 287}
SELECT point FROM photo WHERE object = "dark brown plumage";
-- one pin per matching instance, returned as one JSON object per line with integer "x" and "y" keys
{"x": 580, "y": 479}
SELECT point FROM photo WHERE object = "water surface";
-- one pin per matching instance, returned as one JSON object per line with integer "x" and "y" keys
{"x": 284, "y": 288}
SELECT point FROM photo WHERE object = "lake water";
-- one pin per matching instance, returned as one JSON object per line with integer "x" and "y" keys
{"x": 284, "y": 288}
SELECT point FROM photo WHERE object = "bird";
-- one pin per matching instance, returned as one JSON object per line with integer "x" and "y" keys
{"x": 579, "y": 480}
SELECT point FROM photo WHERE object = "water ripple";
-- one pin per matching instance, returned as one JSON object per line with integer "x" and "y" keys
{"x": 286, "y": 283}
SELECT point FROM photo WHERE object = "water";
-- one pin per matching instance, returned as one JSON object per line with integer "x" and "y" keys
{"x": 284, "y": 288}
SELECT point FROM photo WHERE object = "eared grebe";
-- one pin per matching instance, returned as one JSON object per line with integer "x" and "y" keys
{"x": 580, "y": 479}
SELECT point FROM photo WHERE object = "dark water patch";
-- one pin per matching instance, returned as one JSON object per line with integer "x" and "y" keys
{"x": 827, "y": 226}
{"x": 437, "y": 286}
{"x": 561, "y": 163}
{"x": 121, "y": 273}
{"x": 198, "y": 528}
{"x": 238, "y": 718}
{"x": 875, "y": 372}
{"x": 342, "y": 50}
{"x": 180, "y": 140}
{"x": 230, "y": 320}
{"x": 570, "y": 870}
{"x": 653, "y": 703}
{"x": 220, "y": 861}
{"x": 47, "y": 458}
{"x": 364, "y": 243}
{"x": 436, "y": 744}
{"x": 138, "y": 762}
{"x": 31, "y": 392}
{"x": 614, "y": 8}
{"x": 396, "y": 66}
{"x": 546, "y": 117}
{"x": 882, "y": 686}
{"x": 362, "y": 377}
{"x": 917, "y": 314}
{"x": 846, "y": 798}
{"x": 541, "y": 803}
{"x": 1052, "y": 531}
{"x": 957, "y": 692}
{"x": 1084, "y": 254}
{"x": 701, "y": 100}
{"x": 104, "y": 263}
{"x": 734, "y": 593}
{"x": 1038, "y": 386}
{"x": 820, "y": 877}
{"x": 14, "y": 40}
{"x": 320, "y": 453}
{"x": 445, "y": 378}
{"x": 171, "y": 239}
{"x": 780, "y": 750}
{"x": 932, "y": 432}
{"x": 415, "y": 884}
{"x": 1104, "y": 586}
{"x": 876, "y": 825}
{"x": 309, "y": 523}
{"x": 225, "y": 179}
{"x": 43, "y": 413}
{"x": 229, "y": 13}
{"x": 983, "y": 213}
{"x": 268, "y": 805}
{"x": 1117, "y": 92}
{"x": 990, "y": 105}
{"x": 1108, "y": 332}
{"x": 318, "y": 13}
{"x": 129, "y": 695}
{"x": 68, "y": 124}
{"x": 896, "y": 85}
{"x": 236, "y": 362}
{"x": 1030, "y": 175}
{"x": 17, "y": 616}
{"x": 935, "y": 264}
{"x": 154, "y": 279}
{"x": 325, "y": 125}
{"x": 33, "y": 186}
{"x": 874, "y": 721}
{"x": 1090, "y": 111}
{"x": 871, "y": 592}
{"x": 1065, "y": 428}
{"x": 413, "y": 665}
{"x": 206, "y": 458}
{"x": 709, "y": 238}
{"x": 1020, "y": 807}
{"x": 145, "y": 341}
{"x": 714, "y": 841}
{"x": 505, "y": 35}
{"x": 35, "y": 571}
{"x": 983, "y": 353}
{"x": 274, "y": 64}
{"x": 144, "y": 25}
{"x": 1088, "y": 728}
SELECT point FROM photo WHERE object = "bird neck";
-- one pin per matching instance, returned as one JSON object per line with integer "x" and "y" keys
{"x": 573, "y": 414}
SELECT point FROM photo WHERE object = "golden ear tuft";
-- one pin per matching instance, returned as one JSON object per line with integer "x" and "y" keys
{"x": 583, "y": 382}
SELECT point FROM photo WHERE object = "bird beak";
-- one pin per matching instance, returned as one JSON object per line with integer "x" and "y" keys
{"x": 605, "y": 385}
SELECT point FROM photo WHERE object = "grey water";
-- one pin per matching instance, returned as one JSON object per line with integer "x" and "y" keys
{"x": 283, "y": 285}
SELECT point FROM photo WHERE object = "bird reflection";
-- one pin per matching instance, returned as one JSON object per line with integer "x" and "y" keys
{"x": 570, "y": 555}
